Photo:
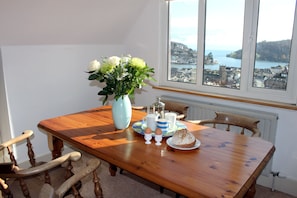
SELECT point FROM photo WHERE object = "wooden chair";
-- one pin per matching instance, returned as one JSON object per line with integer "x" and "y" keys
{"x": 48, "y": 191}
{"x": 11, "y": 172}
{"x": 7, "y": 168}
{"x": 242, "y": 124}
{"x": 180, "y": 108}
{"x": 171, "y": 106}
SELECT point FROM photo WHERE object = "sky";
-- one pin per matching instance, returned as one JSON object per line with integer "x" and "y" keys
{"x": 224, "y": 27}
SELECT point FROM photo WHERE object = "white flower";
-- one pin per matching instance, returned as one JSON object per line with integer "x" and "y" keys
{"x": 114, "y": 60}
{"x": 125, "y": 59}
{"x": 121, "y": 75}
{"x": 94, "y": 66}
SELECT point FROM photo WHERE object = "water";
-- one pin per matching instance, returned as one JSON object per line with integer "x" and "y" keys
{"x": 220, "y": 57}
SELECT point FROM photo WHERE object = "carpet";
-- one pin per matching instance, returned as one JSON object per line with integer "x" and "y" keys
{"x": 120, "y": 186}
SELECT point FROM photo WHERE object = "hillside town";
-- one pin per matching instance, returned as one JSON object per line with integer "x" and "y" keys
{"x": 271, "y": 78}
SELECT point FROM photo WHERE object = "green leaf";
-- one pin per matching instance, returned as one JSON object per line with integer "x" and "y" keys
{"x": 122, "y": 79}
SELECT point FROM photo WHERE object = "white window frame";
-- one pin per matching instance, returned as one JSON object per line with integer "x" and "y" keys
{"x": 246, "y": 90}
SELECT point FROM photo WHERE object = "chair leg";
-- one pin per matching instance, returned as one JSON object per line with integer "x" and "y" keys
{"x": 74, "y": 192}
{"x": 24, "y": 188}
{"x": 97, "y": 186}
{"x": 5, "y": 189}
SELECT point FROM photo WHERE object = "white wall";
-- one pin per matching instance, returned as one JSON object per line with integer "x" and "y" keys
{"x": 56, "y": 22}
{"x": 47, "y": 81}
{"x": 46, "y": 47}
{"x": 42, "y": 80}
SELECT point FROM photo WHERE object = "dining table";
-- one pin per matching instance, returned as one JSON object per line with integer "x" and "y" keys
{"x": 223, "y": 164}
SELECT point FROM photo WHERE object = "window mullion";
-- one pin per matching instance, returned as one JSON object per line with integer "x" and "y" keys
{"x": 292, "y": 80}
{"x": 201, "y": 37}
{"x": 249, "y": 43}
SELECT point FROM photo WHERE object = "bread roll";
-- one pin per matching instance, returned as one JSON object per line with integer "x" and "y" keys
{"x": 183, "y": 138}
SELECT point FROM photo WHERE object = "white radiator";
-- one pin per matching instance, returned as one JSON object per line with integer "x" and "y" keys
{"x": 202, "y": 110}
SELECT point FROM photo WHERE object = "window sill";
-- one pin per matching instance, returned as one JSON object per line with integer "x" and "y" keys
{"x": 231, "y": 98}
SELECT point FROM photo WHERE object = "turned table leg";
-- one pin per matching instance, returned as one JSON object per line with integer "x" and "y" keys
{"x": 55, "y": 145}
{"x": 252, "y": 191}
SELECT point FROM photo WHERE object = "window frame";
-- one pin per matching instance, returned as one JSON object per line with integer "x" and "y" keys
{"x": 248, "y": 46}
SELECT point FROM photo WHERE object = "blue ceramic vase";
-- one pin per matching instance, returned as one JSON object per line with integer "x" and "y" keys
{"x": 122, "y": 112}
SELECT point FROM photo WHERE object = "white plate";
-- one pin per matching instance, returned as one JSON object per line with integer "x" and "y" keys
{"x": 139, "y": 127}
{"x": 197, "y": 144}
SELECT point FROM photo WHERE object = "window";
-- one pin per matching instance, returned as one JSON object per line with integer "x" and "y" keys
{"x": 233, "y": 47}
{"x": 273, "y": 47}
{"x": 183, "y": 27}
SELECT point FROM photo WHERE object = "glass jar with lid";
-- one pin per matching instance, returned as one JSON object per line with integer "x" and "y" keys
{"x": 159, "y": 108}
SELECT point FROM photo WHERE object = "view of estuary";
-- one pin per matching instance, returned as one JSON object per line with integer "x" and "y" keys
{"x": 220, "y": 57}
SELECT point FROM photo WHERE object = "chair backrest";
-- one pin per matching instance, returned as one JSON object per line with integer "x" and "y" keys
{"x": 9, "y": 171}
{"x": 23, "y": 175}
{"x": 180, "y": 108}
{"x": 47, "y": 191}
{"x": 247, "y": 125}
{"x": 25, "y": 136}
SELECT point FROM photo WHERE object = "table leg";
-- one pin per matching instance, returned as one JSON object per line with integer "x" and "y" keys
{"x": 252, "y": 191}
{"x": 55, "y": 145}
{"x": 112, "y": 169}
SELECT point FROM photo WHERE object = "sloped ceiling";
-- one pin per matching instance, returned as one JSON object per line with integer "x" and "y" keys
{"x": 38, "y": 22}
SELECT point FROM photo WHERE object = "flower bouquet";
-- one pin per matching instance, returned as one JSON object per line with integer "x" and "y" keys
{"x": 121, "y": 75}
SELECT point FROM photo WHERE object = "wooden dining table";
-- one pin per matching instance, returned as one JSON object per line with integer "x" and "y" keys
{"x": 224, "y": 165}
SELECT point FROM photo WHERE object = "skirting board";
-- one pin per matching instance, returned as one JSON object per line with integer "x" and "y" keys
{"x": 284, "y": 185}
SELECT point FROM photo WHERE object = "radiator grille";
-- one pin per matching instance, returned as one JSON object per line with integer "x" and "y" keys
{"x": 202, "y": 110}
